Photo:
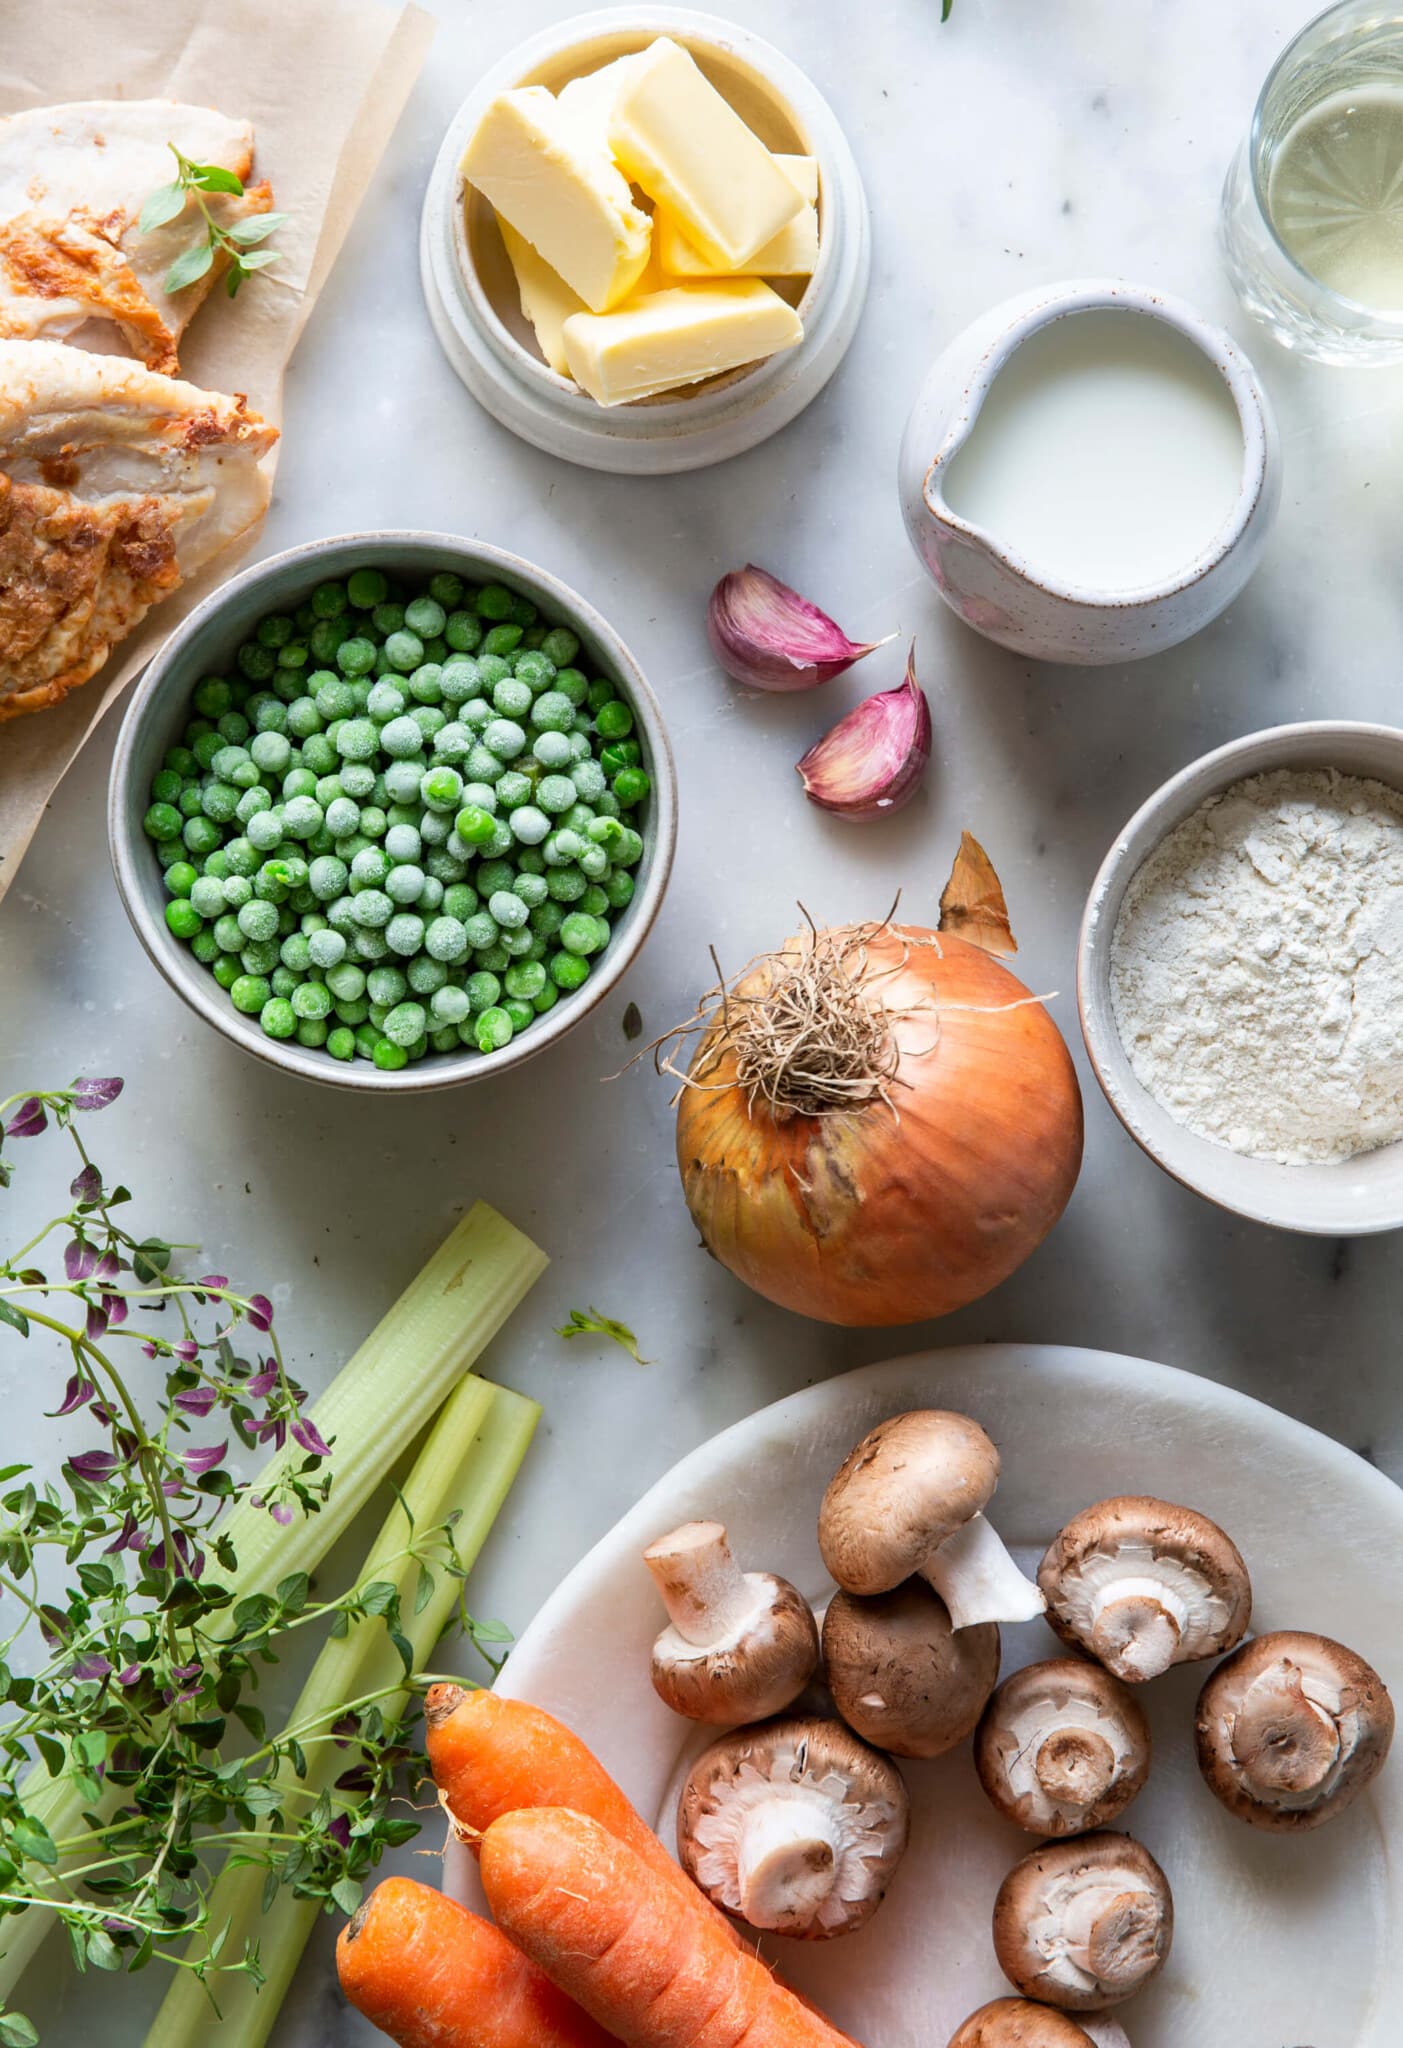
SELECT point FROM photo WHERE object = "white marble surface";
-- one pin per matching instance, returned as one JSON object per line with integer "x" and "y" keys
{"x": 1021, "y": 143}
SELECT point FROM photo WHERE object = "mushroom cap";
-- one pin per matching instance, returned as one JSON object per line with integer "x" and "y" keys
{"x": 1107, "y": 1571}
{"x": 901, "y": 1675}
{"x": 1085, "y": 1923}
{"x": 1019, "y": 2023}
{"x": 755, "y": 1671}
{"x": 1062, "y": 1747}
{"x": 1291, "y": 1729}
{"x": 818, "y": 1763}
{"x": 910, "y": 1483}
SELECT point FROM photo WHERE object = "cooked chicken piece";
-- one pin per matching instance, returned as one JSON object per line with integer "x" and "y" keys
{"x": 116, "y": 485}
{"x": 73, "y": 181}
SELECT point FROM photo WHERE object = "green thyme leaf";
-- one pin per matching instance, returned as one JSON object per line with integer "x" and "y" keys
{"x": 191, "y": 264}
{"x": 163, "y": 205}
{"x": 590, "y": 1323}
{"x": 16, "y": 1318}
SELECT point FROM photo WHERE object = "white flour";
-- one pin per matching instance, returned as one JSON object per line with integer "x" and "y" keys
{"x": 1257, "y": 968}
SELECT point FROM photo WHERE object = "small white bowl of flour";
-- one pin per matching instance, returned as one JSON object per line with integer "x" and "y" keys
{"x": 1240, "y": 977}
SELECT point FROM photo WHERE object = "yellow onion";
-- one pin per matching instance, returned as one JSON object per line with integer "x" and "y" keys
{"x": 908, "y": 1176}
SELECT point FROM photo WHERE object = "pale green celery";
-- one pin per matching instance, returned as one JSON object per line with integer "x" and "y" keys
{"x": 375, "y": 1407}
{"x": 467, "y": 1465}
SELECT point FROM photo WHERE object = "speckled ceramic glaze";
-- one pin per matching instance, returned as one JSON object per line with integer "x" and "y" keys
{"x": 992, "y": 587}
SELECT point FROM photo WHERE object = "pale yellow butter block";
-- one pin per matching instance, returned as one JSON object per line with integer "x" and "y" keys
{"x": 792, "y": 253}
{"x": 589, "y": 101}
{"x": 546, "y": 299}
{"x": 674, "y": 135}
{"x": 560, "y": 194}
{"x": 677, "y": 337}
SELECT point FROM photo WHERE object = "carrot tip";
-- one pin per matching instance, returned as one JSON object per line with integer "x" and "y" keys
{"x": 442, "y": 1700}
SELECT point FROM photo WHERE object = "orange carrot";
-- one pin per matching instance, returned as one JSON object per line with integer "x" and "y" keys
{"x": 432, "y": 1975}
{"x": 611, "y": 1932}
{"x": 491, "y": 1756}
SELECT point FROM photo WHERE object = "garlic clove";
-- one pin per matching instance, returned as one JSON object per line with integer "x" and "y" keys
{"x": 872, "y": 761}
{"x": 768, "y": 637}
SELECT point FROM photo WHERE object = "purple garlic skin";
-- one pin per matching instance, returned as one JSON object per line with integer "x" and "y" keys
{"x": 768, "y": 637}
{"x": 871, "y": 762}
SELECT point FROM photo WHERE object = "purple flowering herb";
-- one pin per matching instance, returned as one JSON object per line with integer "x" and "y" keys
{"x": 214, "y": 1280}
{"x": 187, "y": 1349}
{"x": 125, "y": 1539}
{"x": 130, "y": 1675}
{"x": 79, "y": 1259}
{"x": 108, "y": 1267}
{"x": 96, "y": 1325}
{"x": 94, "y": 1466}
{"x": 198, "y": 1401}
{"x": 262, "y": 1382}
{"x": 276, "y": 1431}
{"x": 340, "y": 1830}
{"x": 92, "y": 1667}
{"x": 86, "y": 1186}
{"x": 96, "y": 1094}
{"x": 28, "y": 1120}
{"x": 281, "y": 1513}
{"x": 75, "y": 1395}
{"x": 260, "y": 1312}
{"x": 200, "y": 1461}
{"x": 306, "y": 1433}
{"x": 114, "y": 1307}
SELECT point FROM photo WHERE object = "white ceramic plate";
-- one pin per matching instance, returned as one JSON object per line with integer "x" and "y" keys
{"x": 1277, "y": 1939}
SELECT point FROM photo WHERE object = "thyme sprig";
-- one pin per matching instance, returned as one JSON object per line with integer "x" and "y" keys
{"x": 237, "y": 242}
{"x": 129, "y": 1659}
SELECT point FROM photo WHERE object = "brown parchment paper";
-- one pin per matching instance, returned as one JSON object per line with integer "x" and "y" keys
{"x": 323, "y": 82}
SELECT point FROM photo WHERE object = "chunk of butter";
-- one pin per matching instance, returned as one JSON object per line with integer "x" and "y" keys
{"x": 589, "y": 100}
{"x": 792, "y": 253}
{"x": 673, "y": 133}
{"x": 677, "y": 337}
{"x": 560, "y": 194}
{"x": 546, "y": 299}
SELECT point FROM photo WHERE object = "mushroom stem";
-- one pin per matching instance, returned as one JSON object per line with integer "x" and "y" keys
{"x": 1287, "y": 1745}
{"x": 1075, "y": 1766}
{"x": 1138, "y": 1631}
{"x": 1105, "y": 2031}
{"x": 1110, "y": 1933}
{"x": 702, "y": 1586}
{"x": 978, "y": 1580}
{"x": 787, "y": 1861}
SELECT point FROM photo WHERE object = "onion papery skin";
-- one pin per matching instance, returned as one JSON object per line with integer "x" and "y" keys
{"x": 867, "y": 1219}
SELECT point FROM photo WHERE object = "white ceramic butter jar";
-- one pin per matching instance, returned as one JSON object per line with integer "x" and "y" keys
{"x": 472, "y": 296}
{"x": 990, "y": 585}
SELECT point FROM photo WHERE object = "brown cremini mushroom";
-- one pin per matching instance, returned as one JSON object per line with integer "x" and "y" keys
{"x": 1290, "y": 1729}
{"x": 1083, "y": 1924}
{"x": 902, "y": 1675}
{"x": 1022, "y": 2023}
{"x": 1062, "y": 1747}
{"x": 909, "y": 1501}
{"x": 1141, "y": 1584}
{"x": 741, "y": 1645}
{"x": 795, "y": 1826}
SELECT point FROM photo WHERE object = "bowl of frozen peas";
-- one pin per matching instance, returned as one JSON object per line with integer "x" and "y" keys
{"x": 393, "y": 811}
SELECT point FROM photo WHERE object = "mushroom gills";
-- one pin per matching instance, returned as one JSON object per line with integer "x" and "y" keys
{"x": 795, "y": 1826}
{"x": 1138, "y": 1612}
{"x": 978, "y": 1580}
{"x": 1084, "y": 1924}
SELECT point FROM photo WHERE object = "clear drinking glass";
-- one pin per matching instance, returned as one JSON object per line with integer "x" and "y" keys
{"x": 1312, "y": 219}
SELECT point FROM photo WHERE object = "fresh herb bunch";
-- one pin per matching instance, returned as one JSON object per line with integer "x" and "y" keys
{"x": 155, "y": 1757}
{"x": 238, "y": 242}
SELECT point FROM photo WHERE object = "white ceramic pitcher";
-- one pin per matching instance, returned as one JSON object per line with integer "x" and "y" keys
{"x": 991, "y": 586}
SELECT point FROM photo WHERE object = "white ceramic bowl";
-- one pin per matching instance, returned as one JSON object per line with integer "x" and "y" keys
{"x": 1352, "y": 1199}
{"x": 994, "y": 588}
{"x": 204, "y": 643}
{"x": 471, "y": 292}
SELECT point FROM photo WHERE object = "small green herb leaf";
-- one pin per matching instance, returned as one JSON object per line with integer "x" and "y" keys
{"x": 191, "y": 264}
{"x": 590, "y": 1323}
{"x": 163, "y": 205}
{"x": 16, "y": 1318}
{"x": 16, "y": 2031}
{"x": 214, "y": 178}
{"x": 255, "y": 228}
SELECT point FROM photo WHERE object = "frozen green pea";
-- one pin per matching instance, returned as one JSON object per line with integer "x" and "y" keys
{"x": 476, "y": 714}
{"x": 326, "y": 949}
{"x": 400, "y": 738}
{"x": 341, "y": 1043}
{"x": 249, "y": 993}
{"x": 426, "y": 976}
{"x": 507, "y": 909}
{"x": 447, "y": 939}
{"x": 531, "y": 889}
{"x": 555, "y": 794}
{"x": 206, "y": 894}
{"x": 358, "y": 780}
{"x": 372, "y": 909}
{"x": 572, "y": 686}
{"x": 302, "y": 816}
{"x": 365, "y": 588}
{"x": 618, "y": 888}
{"x": 474, "y": 824}
{"x": 551, "y": 750}
{"x": 552, "y": 712}
{"x": 458, "y": 680}
{"x": 405, "y": 934}
{"x": 631, "y": 786}
{"x": 511, "y": 698}
{"x": 385, "y": 701}
{"x": 449, "y": 1005}
{"x": 441, "y": 788}
{"x": 561, "y": 645}
{"x": 404, "y": 650}
{"x": 405, "y": 1023}
{"x": 435, "y": 828}
{"x": 357, "y": 656}
{"x": 358, "y": 739}
{"x": 405, "y": 882}
{"x": 593, "y": 862}
{"x": 504, "y": 738}
{"x": 346, "y": 981}
{"x": 182, "y": 918}
{"x": 386, "y": 986}
{"x": 278, "y": 1017}
{"x": 258, "y": 919}
{"x": 492, "y": 1029}
{"x": 452, "y": 743}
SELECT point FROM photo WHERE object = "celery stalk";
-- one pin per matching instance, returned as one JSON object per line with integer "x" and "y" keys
{"x": 375, "y": 1407}
{"x": 467, "y": 1464}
